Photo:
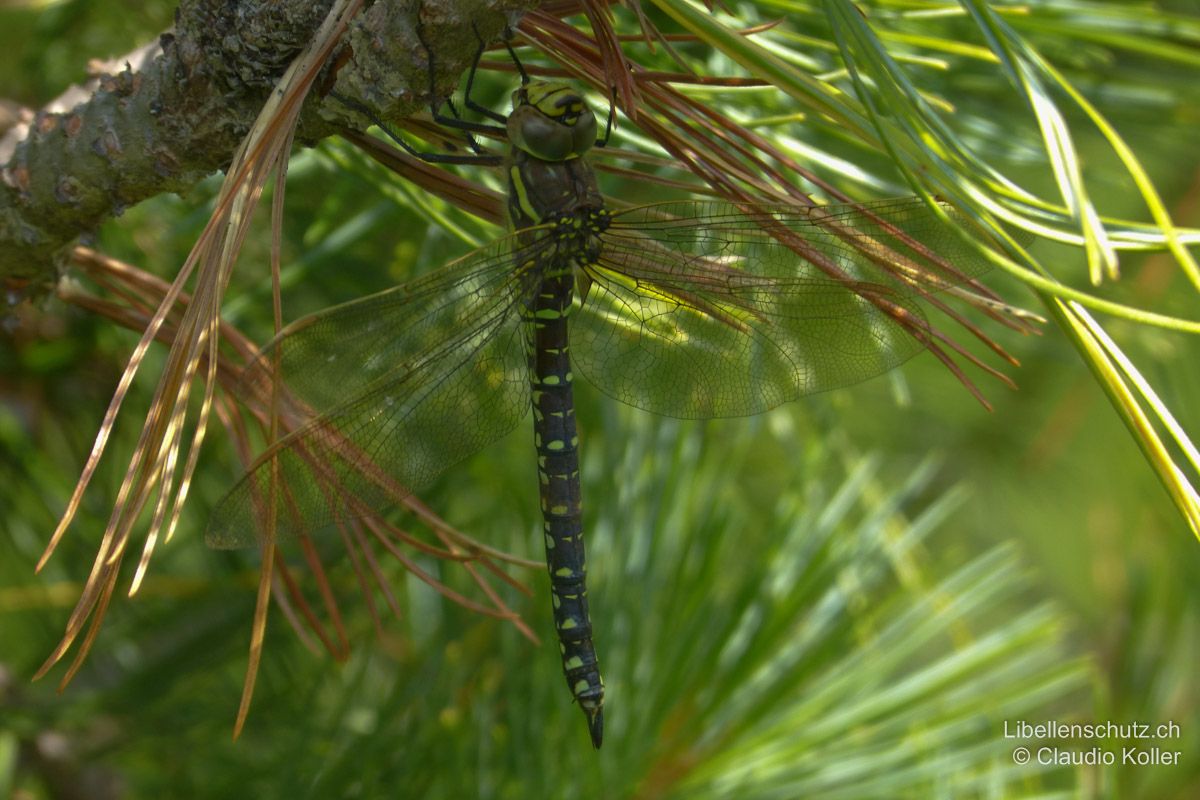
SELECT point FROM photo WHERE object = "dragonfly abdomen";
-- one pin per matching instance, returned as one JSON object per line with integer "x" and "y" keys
{"x": 558, "y": 477}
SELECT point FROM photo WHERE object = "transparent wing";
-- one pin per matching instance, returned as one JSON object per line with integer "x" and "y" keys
{"x": 706, "y": 309}
{"x": 385, "y": 393}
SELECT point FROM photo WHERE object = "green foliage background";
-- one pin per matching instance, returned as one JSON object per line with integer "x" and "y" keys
{"x": 847, "y": 597}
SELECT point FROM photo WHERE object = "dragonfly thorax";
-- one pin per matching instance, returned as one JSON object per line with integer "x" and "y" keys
{"x": 551, "y": 122}
{"x": 549, "y": 129}
{"x": 577, "y": 236}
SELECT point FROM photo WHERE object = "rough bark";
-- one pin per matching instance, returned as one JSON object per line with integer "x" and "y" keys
{"x": 174, "y": 111}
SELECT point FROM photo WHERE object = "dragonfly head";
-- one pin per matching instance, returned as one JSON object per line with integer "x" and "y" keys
{"x": 551, "y": 121}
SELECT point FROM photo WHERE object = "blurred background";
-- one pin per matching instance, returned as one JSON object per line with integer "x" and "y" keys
{"x": 850, "y": 596}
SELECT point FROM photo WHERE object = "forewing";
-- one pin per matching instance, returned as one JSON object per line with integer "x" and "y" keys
{"x": 703, "y": 309}
{"x": 385, "y": 393}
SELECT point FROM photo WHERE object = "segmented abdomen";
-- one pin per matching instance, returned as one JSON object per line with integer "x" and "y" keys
{"x": 558, "y": 478}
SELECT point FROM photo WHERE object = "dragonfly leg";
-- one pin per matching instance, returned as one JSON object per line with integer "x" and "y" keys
{"x": 470, "y": 103}
{"x": 480, "y": 159}
{"x": 479, "y": 156}
{"x": 455, "y": 121}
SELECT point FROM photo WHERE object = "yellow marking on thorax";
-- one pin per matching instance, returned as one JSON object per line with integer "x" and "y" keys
{"x": 523, "y": 201}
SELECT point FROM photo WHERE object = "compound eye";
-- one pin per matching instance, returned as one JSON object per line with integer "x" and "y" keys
{"x": 584, "y": 131}
{"x": 540, "y": 136}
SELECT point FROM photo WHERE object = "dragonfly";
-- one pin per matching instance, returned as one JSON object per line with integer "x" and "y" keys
{"x": 689, "y": 309}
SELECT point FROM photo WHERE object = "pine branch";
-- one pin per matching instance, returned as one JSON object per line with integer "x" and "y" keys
{"x": 173, "y": 112}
